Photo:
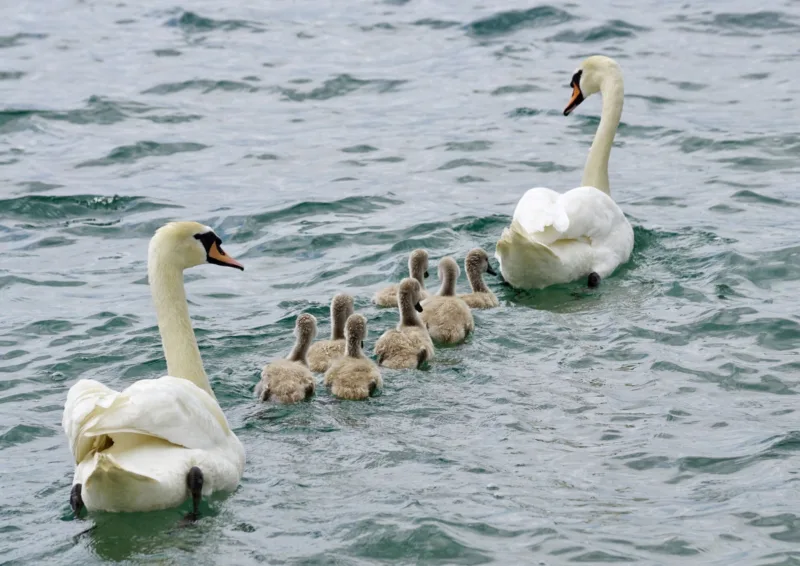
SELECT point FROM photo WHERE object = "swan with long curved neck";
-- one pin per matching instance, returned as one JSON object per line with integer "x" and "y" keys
{"x": 159, "y": 441}
{"x": 558, "y": 238}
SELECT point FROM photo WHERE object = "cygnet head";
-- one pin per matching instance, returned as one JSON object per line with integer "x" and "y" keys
{"x": 475, "y": 264}
{"x": 448, "y": 275}
{"x": 305, "y": 328}
{"x": 593, "y": 74}
{"x": 187, "y": 244}
{"x": 409, "y": 293}
{"x": 341, "y": 309}
{"x": 418, "y": 265}
{"x": 478, "y": 261}
{"x": 355, "y": 331}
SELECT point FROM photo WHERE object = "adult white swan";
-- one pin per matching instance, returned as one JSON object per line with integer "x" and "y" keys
{"x": 160, "y": 440}
{"x": 557, "y": 238}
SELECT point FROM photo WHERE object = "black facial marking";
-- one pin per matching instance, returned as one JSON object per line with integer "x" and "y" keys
{"x": 208, "y": 239}
{"x": 594, "y": 280}
{"x": 576, "y": 84}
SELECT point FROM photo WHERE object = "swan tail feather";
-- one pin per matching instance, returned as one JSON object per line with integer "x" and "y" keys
{"x": 107, "y": 465}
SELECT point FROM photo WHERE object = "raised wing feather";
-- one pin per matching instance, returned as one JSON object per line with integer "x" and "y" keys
{"x": 541, "y": 213}
{"x": 169, "y": 408}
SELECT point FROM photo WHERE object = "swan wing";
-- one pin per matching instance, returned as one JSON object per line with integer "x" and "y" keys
{"x": 541, "y": 213}
{"x": 169, "y": 408}
{"x": 592, "y": 214}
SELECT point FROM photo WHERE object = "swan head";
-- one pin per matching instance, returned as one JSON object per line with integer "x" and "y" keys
{"x": 589, "y": 78}
{"x": 188, "y": 244}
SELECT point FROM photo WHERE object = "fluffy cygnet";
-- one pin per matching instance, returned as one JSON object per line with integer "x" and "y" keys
{"x": 323, "y": 352}
{"x": 354, "y": 376}
{"x": 448, "y": 318}
{"x": 475, "y": 264}
{"x": 409, "y": 345}
{"x": 289, "y": 380}
{"x": 417, "y": 269}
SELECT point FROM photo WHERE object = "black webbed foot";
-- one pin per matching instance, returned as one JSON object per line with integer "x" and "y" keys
{"x": 194, "y": 481}
{"x": 75, "y": 500}
{"x": 422, "y": 357}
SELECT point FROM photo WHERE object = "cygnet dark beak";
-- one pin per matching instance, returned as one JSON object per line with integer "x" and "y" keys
{"x": 418, "y": 307}
{"x": 426, "y": 274}
{"x": 490, "y": 270}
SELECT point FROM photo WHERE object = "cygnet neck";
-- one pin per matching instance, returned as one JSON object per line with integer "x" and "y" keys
{"x": 299, "y": 352}
{"x": 339, "y": 314}
{"x": 449, "y": 275}
{"x": 352, "y": 347}
{"x": 475, "y": 278}
{"x": 408, "y": 314}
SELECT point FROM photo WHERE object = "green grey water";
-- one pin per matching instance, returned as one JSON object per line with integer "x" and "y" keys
{"x": 650, "y": 421}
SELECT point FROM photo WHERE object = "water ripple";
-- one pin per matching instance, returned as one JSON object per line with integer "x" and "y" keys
{"x": 141, "y": 150}
{"x": 503, "y": 23}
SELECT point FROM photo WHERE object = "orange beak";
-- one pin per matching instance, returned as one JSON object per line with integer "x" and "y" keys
{"x": 216, "y": 255}
{"x": 577, "y": 98}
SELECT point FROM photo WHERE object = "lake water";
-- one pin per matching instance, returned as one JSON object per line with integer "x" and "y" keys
{"x": 650, "y": 421}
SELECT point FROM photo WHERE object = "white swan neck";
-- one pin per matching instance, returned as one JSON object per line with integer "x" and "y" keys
{"x": 595, "y": 173}
{"x": 174, "y": 324}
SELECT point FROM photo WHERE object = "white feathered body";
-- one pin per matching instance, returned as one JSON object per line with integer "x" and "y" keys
{"x": 560, "y": 237}
{"x": 133, "y": 449}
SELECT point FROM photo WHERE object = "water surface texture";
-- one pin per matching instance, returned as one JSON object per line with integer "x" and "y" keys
{"x": 651, "y": 421}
